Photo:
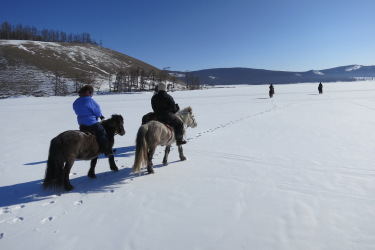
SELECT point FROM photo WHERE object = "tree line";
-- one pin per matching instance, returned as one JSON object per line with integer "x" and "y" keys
{"x": 138, "y": 79}
{"x": 26, "y": 32}
{"x": 192, "y": 81}
{"x": 132, "y": 79}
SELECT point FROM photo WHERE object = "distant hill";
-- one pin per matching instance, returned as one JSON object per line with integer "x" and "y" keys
{"x": 29, "y": 67}
{"x": 232, "y": 76}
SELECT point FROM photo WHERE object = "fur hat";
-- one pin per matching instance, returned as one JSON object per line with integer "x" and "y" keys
{"x": 162, "y": 86}
{"x": 87, "y": 89}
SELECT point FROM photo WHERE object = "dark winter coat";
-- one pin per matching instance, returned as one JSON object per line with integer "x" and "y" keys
{"x": 163, "y": 103}
{"x": 165, "y": 108}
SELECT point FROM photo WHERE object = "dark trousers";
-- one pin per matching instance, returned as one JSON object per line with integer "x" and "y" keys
{"x": 101, "y": 134}
{"x": 174, "y": 121}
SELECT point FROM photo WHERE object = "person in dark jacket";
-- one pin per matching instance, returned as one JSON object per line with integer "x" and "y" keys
{"x": 165, "y": 108}
{"x": 320, "y": 88}
{"x": 88, "y": 111}
{"x": 272, "y": 91}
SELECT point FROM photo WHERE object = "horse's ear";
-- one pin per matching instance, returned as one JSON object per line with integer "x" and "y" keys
{"x": 190, "y": 110}
{"x": 118, "y": 117}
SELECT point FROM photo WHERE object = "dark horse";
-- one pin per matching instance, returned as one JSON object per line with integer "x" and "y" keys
{"x": 73, "y": 144}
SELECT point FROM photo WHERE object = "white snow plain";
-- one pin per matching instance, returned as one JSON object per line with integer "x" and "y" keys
{"x": 293, "y": 172}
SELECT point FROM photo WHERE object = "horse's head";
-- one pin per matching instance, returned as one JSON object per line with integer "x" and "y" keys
{"x": 187, "y": 117}
{"x": 117, "y": 122}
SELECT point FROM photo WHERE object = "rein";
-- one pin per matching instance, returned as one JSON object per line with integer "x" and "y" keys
{"x": 186, "y": 124}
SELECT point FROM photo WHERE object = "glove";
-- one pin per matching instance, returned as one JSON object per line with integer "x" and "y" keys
{"x": 102, "y": 118}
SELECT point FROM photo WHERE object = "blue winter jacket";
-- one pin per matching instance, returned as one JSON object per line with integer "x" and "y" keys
{"x": 87, "y": 110}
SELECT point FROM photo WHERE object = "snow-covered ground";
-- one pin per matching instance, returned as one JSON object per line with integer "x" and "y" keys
{"x": 293, "y": 172}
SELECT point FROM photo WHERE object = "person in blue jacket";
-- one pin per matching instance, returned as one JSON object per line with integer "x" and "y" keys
{"x": 88, "y": 111}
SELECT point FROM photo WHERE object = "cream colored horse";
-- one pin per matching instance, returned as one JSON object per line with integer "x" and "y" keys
{"x": 153, "y": 134}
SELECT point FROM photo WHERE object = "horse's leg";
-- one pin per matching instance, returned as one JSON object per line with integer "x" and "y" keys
{"x": 150, "y": 154}
{"x": 166, "y": 153}
{"x": 112, "y": 164}
{"x": 91, "y": 172}
{"x": 67, "y": 167}
{"x": 181, "y": 153}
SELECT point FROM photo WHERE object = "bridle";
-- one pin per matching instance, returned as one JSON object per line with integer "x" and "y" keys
{"x": 193, "y": 118}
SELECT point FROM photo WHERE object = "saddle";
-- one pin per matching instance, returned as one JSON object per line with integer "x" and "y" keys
{"x": 86, "y": 129}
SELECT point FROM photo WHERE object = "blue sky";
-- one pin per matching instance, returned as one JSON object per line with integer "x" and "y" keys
{"x": 292, "y": 35}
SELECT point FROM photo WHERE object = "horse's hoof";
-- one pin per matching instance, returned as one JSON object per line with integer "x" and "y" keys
{"x": 92, "y": 176}
{"x": 114, "y": 169}
{"x": 183, "y": 158}
{"x": 151, "y": 171}
{"x": 165, "y": 163}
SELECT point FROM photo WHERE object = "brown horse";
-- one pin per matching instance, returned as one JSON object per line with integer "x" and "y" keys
{"x": 153, "y": 134}
{"x": 73, "y": 144}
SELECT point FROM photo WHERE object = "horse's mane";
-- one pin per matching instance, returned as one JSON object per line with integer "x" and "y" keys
{"x": 109, "y": 124}
{"x": 113, "y": 117}
{"x": 186, "y": 111}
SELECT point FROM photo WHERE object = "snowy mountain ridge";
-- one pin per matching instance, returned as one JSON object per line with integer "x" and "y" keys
{"x": 354, "y": 67}
{"x": 235, "y": 76}
{"x": 28, "y": 67}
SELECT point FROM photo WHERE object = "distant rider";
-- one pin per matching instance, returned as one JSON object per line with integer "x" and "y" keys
{"x": 165, "y": 108}
{"x": 272, "y": 90}
{"x": 88, "y": 111}
{"x": 320, "y": 88}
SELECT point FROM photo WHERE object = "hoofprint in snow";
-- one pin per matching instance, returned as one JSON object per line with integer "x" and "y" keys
{"x": 292, "y": 172}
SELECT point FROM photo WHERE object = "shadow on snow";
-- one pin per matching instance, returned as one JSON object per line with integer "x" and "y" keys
{"x": 23, "y": 193}
{"x": 106, "y": 182}
{"x": 120, "y": 152}
{"x": 32, "y": 191}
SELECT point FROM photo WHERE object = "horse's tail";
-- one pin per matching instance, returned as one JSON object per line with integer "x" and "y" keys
{"x": 54, "y": 176}
{"x": 140, "y": 149}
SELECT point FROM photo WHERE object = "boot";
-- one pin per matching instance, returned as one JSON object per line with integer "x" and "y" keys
{"x": 180, "y": 142}
{"x": 179, "y": 137}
